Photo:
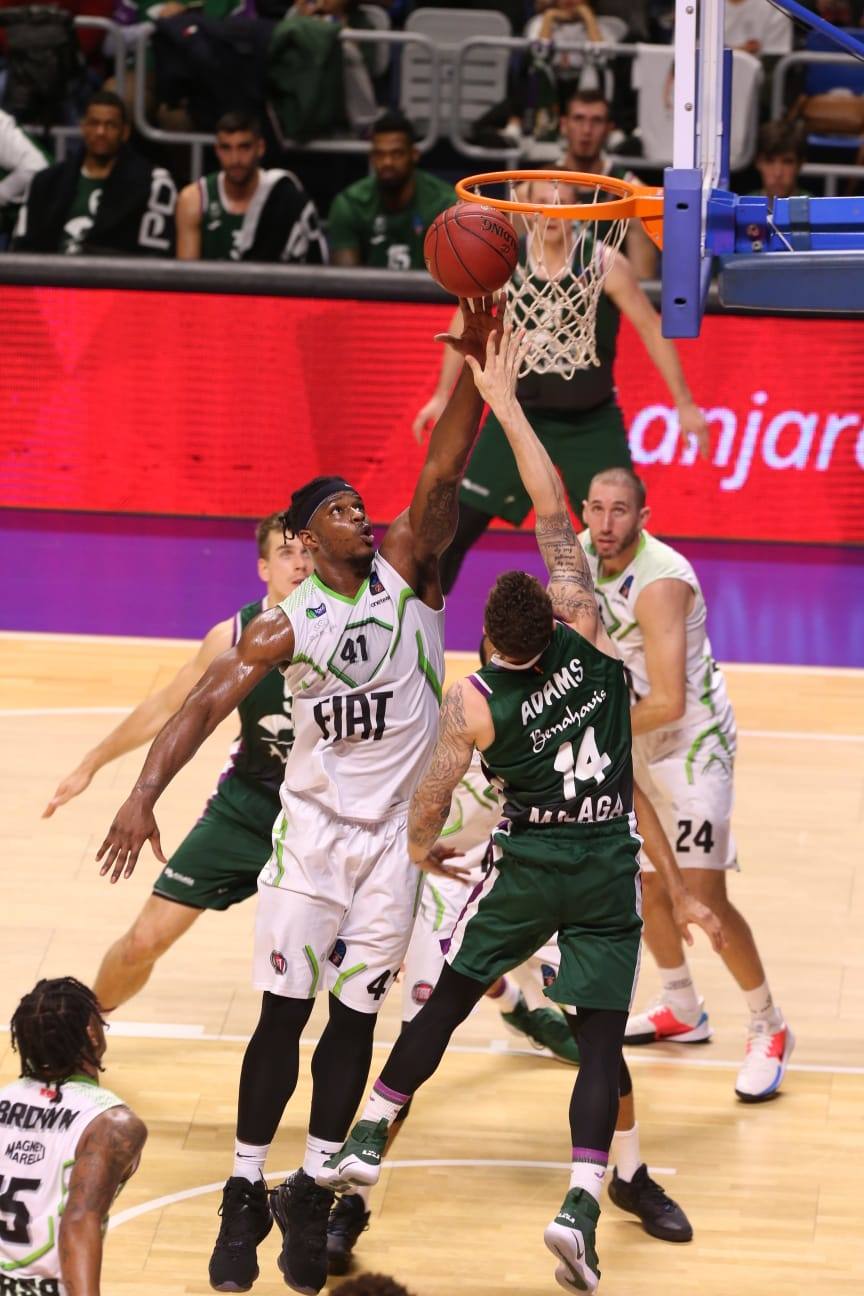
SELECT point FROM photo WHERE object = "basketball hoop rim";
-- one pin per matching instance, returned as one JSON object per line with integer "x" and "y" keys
{"x": 642, "y": 202}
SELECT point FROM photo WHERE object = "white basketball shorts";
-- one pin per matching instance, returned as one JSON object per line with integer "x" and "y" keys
{"x": 336, "y": 905}
{"x": 688, "y": 775}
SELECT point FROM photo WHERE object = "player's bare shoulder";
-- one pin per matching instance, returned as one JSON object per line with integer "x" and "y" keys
{"x": 114, "y": 1140}
{"x": 269, "y": 637}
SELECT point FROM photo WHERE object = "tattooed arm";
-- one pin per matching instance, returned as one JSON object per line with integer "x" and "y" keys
{"x": 419, "y": 536}
{"x": 107, "y": 1155}
{"x": 571, "y": 587}
{"x": 463, "y": 725}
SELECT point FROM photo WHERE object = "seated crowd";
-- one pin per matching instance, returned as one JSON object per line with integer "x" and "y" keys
{"x": 110, "y": 197}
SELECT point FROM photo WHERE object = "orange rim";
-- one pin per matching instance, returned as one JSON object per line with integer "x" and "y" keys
{"x": 639, "y": 202}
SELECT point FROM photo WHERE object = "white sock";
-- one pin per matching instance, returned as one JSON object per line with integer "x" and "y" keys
{"x": 317, "y": 1152}
{"x": 626, "y": 1155}
{"x": 249, "y": 1160}
{"x": 589, "y": 1174}
{"x": 679, "y": 992}
{"x": 762, "y": 1006}
{"x": 383, "y": 1103}
{"x": 507, "y": 997}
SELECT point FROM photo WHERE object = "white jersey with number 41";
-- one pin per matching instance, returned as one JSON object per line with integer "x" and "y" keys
{"x": 367, "y": 676}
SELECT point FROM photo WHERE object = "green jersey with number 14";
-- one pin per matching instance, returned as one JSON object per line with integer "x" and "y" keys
{"x": 561, "y": 752}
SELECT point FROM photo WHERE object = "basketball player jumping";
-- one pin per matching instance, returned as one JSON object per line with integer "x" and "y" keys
{"x": 551, "y": 716}
{"x": 84, "y": 1143}
{"x": 361, "y": 645}
{"x": 218, "y": 862}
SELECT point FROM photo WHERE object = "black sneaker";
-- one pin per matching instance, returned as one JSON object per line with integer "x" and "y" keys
{"x": 245, "y": 1222}
{"x": 660, "y": 1215}
{"x": 348, "y": 1219}
{"x": 302, "y": 1209}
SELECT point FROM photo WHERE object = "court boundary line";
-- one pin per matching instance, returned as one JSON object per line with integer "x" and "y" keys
{"x": 148, "y": 640}
{"x": 422, "y": 1163}
{"x": 163, "y": 1032}
{"x": 785, "y": 735}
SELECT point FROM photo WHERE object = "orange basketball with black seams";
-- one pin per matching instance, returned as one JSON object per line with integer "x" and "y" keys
{"x": 471, "y": 250}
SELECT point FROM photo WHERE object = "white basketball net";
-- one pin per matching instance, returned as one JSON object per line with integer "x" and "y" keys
{"x": 554, "y": 295}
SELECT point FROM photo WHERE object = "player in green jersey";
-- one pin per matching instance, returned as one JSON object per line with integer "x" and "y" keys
{"x": 218, "y": 863}
{"x": 382, "y": 219}
{"x": 550, "y": 715}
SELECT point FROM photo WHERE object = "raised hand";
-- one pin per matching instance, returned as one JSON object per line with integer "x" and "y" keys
{"x": 496, "y": 380}
{"x": 479, "y": 322}
{"x": 134, "y": 824}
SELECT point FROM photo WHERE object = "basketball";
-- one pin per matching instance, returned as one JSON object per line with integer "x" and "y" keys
{"x": 471, "y": 250}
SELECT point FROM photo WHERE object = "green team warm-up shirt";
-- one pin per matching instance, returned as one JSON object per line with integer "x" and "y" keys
{"x": 388, "y": 240}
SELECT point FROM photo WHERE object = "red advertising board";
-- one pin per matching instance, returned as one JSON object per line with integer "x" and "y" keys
{"x": 183, "y": 403}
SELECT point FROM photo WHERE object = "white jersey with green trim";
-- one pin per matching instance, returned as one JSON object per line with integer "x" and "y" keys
{"x": 39, "y": 1135}
{"x": 474, "y": 812}
{"x": 617, "y": 594}
{"x": 366, "y": 677}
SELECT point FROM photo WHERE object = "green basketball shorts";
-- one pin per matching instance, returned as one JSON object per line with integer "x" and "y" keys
{"x": 218, "y": 863}
{"x": 585, "y": 885}
{"x": 579, "y": 446}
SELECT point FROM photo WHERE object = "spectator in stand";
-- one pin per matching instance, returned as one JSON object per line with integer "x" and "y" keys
{"x": 246, "y": 213}
{"x": 110, "y": 203}
{"x": 757, "y": 27}
{"x": 780, "y": 156}
{"x": 20, "y": 159}
{"x": 586, "y": 124}
{"x": 381, "y": 220}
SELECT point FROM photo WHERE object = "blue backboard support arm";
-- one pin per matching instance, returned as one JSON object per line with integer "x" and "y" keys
{"x": 685, "y": 270}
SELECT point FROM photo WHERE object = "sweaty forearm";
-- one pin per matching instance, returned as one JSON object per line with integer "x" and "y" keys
{"x": 80, "y": 1249}
{"x": 177, "y": 742}
{"x": 453, "y": 435}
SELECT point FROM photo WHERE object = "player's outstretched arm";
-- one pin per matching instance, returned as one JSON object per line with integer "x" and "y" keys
{"x": 630, "y": 298}
{"x": 460, "y": 720}
{"x": 143, "y": 724}
{"x": 571, "y": 587}
{"x": 420, "y": 535}
{"x": 107, "y": 1155}
{"x": 266, "y": 642}
{"x": 686, "y": 908}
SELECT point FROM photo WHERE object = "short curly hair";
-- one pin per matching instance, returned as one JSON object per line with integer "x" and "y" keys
{"x": 518, "y": 616}
{"x": 369, "y": 1284}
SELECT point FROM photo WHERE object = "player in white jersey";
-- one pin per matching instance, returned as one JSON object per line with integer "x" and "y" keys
{"x": 67, "y": 1146}
{"x": 684, "y": 742}
{"x": 361, "y": 647}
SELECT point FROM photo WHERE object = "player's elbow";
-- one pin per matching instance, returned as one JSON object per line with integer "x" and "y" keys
{"x": 673, "y": 707}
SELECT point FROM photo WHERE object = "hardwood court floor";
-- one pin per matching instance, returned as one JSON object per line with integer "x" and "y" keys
{"x": 773, "y": 1191}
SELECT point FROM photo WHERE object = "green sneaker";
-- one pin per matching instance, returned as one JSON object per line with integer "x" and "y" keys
{"x": 358, "y": 1161}
{"x": 570, "y": 1237}
{"x": 546, "y": 1028}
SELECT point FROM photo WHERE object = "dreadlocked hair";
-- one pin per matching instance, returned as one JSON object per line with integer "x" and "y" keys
{"x": 49, "y": 1030}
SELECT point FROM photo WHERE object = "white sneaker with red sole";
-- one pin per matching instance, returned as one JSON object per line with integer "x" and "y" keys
{"x": 659, "y": 1023}
{"x": 765, "y": 1062}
